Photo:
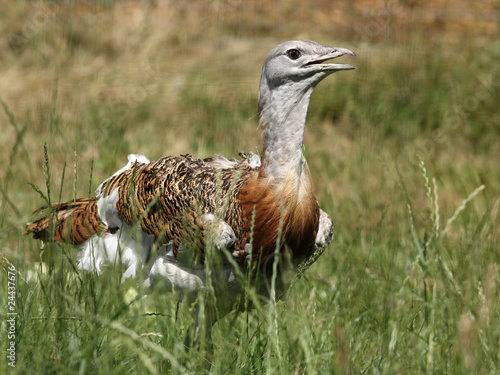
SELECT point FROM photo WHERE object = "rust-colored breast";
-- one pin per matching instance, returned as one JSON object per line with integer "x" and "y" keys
{"x": 271, "y": 206}
{"x": 261, "y": 215}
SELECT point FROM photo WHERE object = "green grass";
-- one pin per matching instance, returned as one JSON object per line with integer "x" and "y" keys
{"x": 399, "y": 151}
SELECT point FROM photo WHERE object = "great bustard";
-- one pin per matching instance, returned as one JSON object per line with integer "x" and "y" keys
{"x": 156, "y": 216}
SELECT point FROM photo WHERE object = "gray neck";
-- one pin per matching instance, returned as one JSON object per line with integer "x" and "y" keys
{"x": 283, "y": 117}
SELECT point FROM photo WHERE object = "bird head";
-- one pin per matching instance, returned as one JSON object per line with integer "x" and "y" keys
{"x": 301, "y": 64}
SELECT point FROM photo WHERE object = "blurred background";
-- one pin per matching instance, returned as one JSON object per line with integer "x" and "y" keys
{"x": 395, "y": 147}
{"x": 106, "y": 78}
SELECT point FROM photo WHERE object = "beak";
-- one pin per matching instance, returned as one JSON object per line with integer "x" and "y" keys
{"x": 332, "y": 54}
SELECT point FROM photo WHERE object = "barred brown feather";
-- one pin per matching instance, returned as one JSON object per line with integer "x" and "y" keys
{"x": 71, "y": 222}
{"x": 183, "y": 189}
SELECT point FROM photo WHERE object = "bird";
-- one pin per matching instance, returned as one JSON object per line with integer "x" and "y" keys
{"x": 162, "y": 217}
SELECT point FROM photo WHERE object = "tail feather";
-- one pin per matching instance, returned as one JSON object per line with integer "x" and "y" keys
{"x": 71, "y": 222}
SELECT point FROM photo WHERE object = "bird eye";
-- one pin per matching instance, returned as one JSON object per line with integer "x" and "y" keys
{"x": 294, "y": 54}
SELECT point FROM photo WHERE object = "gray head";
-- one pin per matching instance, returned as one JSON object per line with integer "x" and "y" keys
{"x": 290, "y": 73}
{"x": 299, "y": 65}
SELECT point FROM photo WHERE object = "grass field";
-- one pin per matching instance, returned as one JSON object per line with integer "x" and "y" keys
{"x": 404, "y": 153}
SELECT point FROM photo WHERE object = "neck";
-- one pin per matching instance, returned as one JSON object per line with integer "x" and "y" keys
{"x": 283, "y": 118}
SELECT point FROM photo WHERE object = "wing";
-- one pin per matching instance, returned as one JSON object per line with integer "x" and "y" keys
{"x": 168, "y": 198}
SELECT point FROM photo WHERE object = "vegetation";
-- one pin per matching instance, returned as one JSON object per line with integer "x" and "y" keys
{"x": 404, "y": 153}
